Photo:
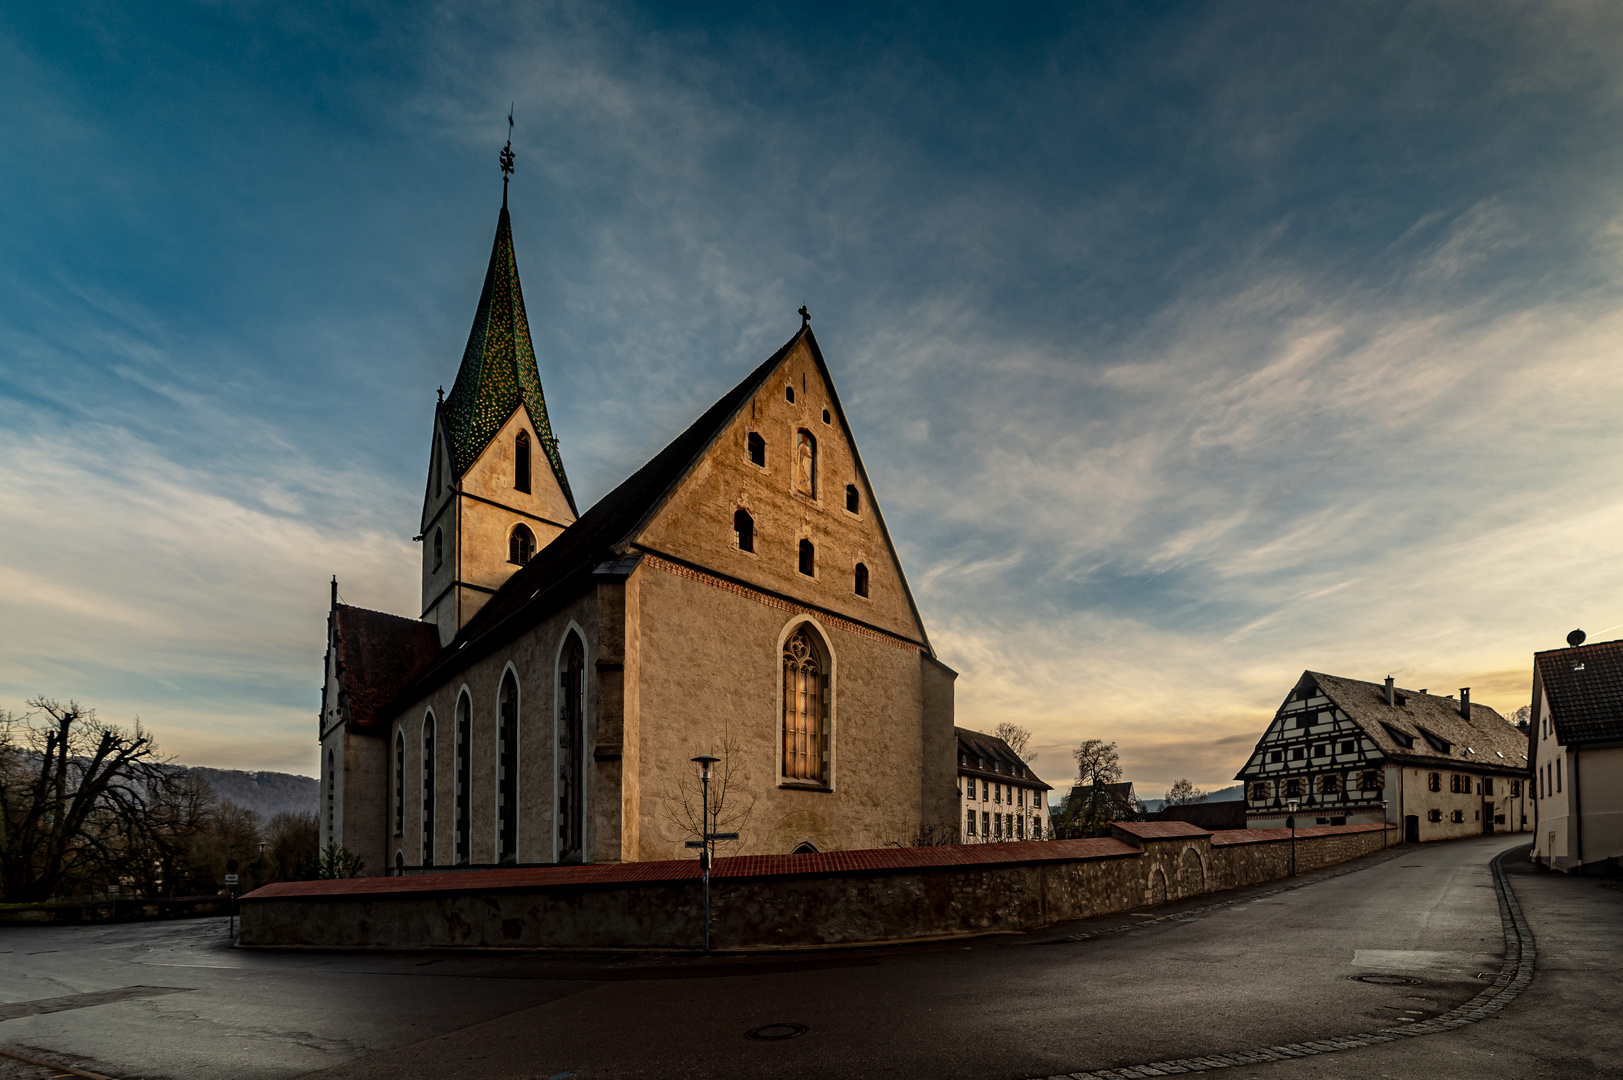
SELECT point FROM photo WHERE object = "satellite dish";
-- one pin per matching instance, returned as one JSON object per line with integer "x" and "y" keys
{"x": 1576, "y": 638}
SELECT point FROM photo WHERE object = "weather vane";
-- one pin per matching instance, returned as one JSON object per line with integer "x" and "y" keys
{"x": 507, "y": 155}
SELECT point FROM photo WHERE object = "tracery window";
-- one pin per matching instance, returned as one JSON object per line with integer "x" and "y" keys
{"x": 744, "y": 529}
{"x": 464, "y": 780}
{"x": 428, "y": 790}
{"x": 806, "y": 463}
{"x": 399, "y": 784}
{"x": 520, "y": 545}
{"x": 521, "y": 461}
{"x": 757, "y": 448}
{"x": 332, "y": 780}
{"x": 805, "y": 709}
{"x": 571, "y": 730}
{"x": 507, "y": 772}
{"x": 861, "y": 584}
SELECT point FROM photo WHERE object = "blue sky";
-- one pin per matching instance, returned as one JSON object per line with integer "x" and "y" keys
{"x": 1188, "y": 346}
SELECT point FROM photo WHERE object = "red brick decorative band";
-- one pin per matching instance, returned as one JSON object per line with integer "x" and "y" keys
{"x": 768, "y": 600}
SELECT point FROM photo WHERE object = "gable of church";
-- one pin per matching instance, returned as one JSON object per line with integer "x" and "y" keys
{"x": 782, "y": 472}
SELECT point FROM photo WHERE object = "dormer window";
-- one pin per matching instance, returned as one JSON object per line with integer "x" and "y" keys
{"x": 744, "y": 529}
{"x": 520, "y": 545}
{"x": 521, "y": 462}
{"x": 757, "y": 448}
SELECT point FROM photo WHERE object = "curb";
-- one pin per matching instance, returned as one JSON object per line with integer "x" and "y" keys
{"x": 1515, "y": 974}
{"x": 56, "y": 1066}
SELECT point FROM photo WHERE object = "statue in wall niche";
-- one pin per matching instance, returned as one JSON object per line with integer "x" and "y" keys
{"x": 806, "y": 464}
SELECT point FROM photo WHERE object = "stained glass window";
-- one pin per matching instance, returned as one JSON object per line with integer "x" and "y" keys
{"x": 805, "y": 710}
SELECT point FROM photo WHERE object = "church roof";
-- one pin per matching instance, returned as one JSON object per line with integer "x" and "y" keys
{"x": 1585, "y": 688}
{"x": 378, "y": 655}
{"x": 600, "y": 538}
{"x": 498, "y": 373}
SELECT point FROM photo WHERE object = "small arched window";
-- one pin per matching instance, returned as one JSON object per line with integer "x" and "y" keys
{"x": 808, "y": 559}
{"x": 399, "y": 784}
{"x": 520, "y": 545}
{"x": 827, "y": 419}
{"x": 805, "y": 847}
{"x": 744, "y": 529}
{"x": 806, "y": 463}
{"x": 805, "y": 709}
{"x": 521, "y": 461}
{"x": 757, "y": 448}
{"x": 439, "y": 548}
{"x": 789, "y": 394}
{"x": 853, "y": 501}
{"x": 862, "y": 580}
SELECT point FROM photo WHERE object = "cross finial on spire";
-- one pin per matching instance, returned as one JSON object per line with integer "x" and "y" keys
{"x": 442, "y": 395}
{"x": 507, "y": 155}
{"x": 805, "y": 317}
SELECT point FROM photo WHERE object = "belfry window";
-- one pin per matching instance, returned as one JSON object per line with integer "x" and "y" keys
{"x": 744, "y": 529}
{"x": 853, "y": 501}
{"x": 805, "y": 709}
{"x": 757, "y": 448}
{"x": 439, "y": 548}
{"x": 521, "y": 461}
{"x": 806, "y": 464}
{"x": 808, "y": 558}
{"x": 862, "y": 580}
{"x": 520, "y": 545}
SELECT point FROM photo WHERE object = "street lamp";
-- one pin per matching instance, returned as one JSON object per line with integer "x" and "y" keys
{"x": 1291, "y": 806}
{"x": 704, "y": 761}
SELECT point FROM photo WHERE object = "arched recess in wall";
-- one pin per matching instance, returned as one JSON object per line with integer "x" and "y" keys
{"x": 507, "y": 768}
{"x": 464, "y": 779}
{"x": 1191, "y": 873}
{"x": 1157, "y": 891}
{"x": 806, "y": 707}
{"x": 570, "y": 762}
{"x": 428, "y": 789}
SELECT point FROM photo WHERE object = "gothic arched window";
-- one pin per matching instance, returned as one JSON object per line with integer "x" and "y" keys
{"x": 808, "y": 558}
{"x": 744, "y": 529}
{"x": 507, "y": 772}
{"x": 399, "y": 784}
{"x": 428, "y": 790}
{"x": 464, "y": 779}
{"x": 862, "y": 580}
{"x": 806, "y": 463}
{"x": 521, "y": 461}
{"x": 439, "y": 547}
{"x": 757, "y": 446}
{"x": 571, "y": 746}
{"x": 805, "y": 709}
{"x": 332, "y": 782}
{"x": 520, "y": 545}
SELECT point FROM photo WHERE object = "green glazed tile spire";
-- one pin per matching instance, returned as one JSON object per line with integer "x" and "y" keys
{"x": 498, "y": 372}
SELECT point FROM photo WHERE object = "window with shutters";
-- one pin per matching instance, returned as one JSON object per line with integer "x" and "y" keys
{"x": 806, "y": 700}
{"x": 1434, "y": 781}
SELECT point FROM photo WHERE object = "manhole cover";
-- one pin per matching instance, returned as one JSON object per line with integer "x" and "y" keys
{"x": 1387, "y": 980}
{"x": 774, "y": 1032}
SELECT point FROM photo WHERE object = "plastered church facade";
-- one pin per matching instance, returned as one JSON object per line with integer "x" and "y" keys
{"x": 738, "y": 595}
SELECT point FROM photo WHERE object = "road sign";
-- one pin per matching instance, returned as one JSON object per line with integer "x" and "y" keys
{"x": 231, "y": 866}
{"x": 693, "y": 843}
{"x": 231, "y": 879}
{"x": 724, "y": 836}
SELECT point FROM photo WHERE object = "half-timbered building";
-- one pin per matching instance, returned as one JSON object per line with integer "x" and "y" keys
{"x": 1346, "y": 752}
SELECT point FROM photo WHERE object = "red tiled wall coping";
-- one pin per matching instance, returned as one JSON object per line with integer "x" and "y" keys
{"x": 1159, "y": 830}
{"x": 744, "y": 866}
{"x": 1257, "y": 836}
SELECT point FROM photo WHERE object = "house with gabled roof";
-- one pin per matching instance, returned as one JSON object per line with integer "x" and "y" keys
{"x": 1577, "y": 752}
{"x": 1000, "y": 797}
{"x": 1346, "y": 752}
{"x": 739, "y": 596}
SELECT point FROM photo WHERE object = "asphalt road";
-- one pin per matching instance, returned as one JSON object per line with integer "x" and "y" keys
{"x": 1226, "y": 973}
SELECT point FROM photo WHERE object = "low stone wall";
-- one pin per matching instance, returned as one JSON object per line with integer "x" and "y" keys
{"x": 791, "y": 901}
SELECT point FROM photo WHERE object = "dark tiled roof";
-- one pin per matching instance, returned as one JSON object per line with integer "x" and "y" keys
{"x": 561, "y": 570}
{"x": 1121, "y": 793}
{"x": 1494, "y": 742}
{"x": 498, "y": 372}
{"x": 975, "y": 745}
{"x": 1585, "y": 688}
{"x": 1159, "y": 830}
{"x": 378, "y": 655}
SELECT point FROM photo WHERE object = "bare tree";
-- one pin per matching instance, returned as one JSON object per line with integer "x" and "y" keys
{"x": 1182, "y": 794}
{"x": 1097, "y": 763}
{"x": 1018, "y": 739}
{"x": 730, "y": 801}
{"x": 1090, "y": 812}
{"x": 84, "y": 803}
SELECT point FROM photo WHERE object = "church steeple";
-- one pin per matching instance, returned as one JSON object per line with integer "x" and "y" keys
{"x": 498, "y": 372}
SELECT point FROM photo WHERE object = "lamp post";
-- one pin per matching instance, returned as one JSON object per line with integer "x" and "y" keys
{"x": 704, "y": 761}
{"x": 1291, "y": 806}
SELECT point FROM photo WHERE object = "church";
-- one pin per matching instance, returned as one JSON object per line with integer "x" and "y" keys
{"x": 737, "y": 596}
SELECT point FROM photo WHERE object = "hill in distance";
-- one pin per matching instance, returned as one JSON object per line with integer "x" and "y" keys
{"x": 265, "y": 793}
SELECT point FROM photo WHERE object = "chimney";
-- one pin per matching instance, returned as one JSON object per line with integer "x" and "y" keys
{"x": 1465, "y": 702}
{"x": 1390, "y": 700}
